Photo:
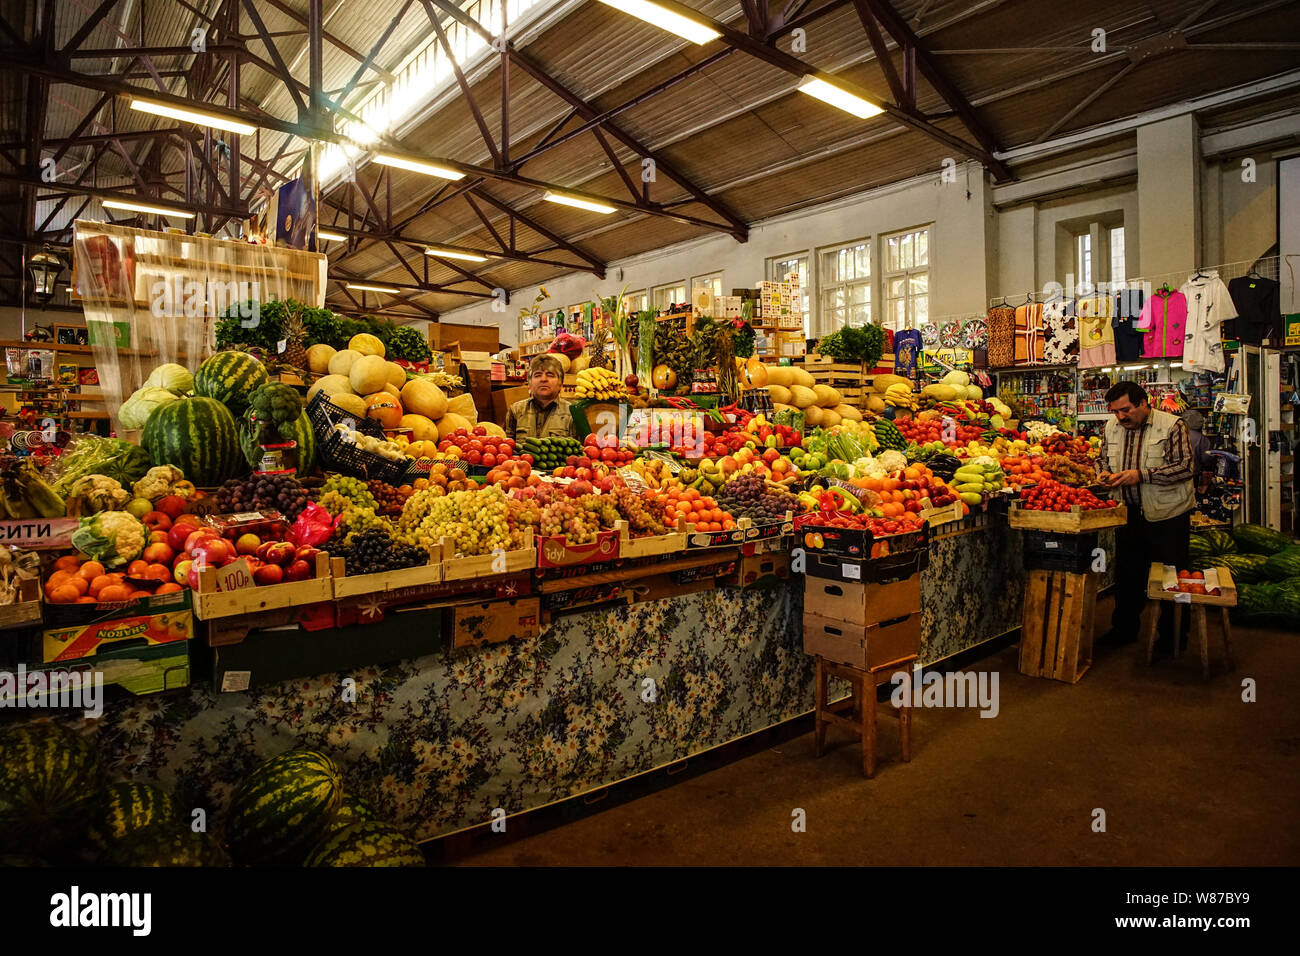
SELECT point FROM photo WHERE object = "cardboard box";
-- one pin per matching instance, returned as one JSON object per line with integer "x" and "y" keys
{"x": 862, "y": 602}
{"x": 760, "y": 571}
{"x": 86, "y": 640}
{"x": 494, "y": 622}
{"x": 138, "y": 670}
{"x": 554, "y": 551}
{"x": 862, "y": 645}
{"x": 891, "y": 567}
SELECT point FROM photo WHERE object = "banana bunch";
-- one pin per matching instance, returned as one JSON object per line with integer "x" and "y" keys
{"x": 900, "y": 396}
{"x": 600, "y": 383}
{"x": 654, "y": 473}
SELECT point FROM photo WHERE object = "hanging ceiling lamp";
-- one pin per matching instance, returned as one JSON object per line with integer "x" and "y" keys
{"x": 43, "y": 271}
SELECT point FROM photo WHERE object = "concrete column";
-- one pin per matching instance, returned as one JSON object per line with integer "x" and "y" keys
{"x": 1169, "y": 198}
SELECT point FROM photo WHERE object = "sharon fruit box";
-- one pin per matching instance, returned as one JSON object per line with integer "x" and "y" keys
{"x": 86, "y": 640}
{"x": 69, "y": 615}
{"x": 555, "y": 551}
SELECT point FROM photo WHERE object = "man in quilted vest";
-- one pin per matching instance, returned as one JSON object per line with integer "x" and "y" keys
{"x": 1147, "y": 456}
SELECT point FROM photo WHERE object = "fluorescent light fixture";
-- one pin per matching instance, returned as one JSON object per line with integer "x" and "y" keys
{"x": 143, "y": 207}
{"x": 355, "y": 287}
{"x": 1176, "y": 365}
{"x": 577, "y": 201}
{"x": 454, "y": 254}
{"x": 666, "y": 19}
{"x": 417, "y": 166}
{"x": 330, "y": 236}
{"x": 191, "y": 116}
{"x": 839, "y": 97}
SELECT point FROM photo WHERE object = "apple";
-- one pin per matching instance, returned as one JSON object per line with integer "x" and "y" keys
{"x": 298, "y": 571}
{"x": 192, "y": 576}
{"x": 179, "y": 535}
{"x": 173, "y": 506}
{"x": 157, "y": 536}
{"x": 280, "y": 552}
{"x": 188, "y": 519}
{"x": 159, "y": 553}
{"x": 156, "y": 521}
{"x": 263, "y": 549}
{"x": 307, "y": 553}
{"x": 213, "y": 550}
{"x": 181, "y": 572}
{"x": 139, "y": 507}
{"x": 198, "y": 535}
{"x": 269, "y": 574}
{"x": 248, "y": 544}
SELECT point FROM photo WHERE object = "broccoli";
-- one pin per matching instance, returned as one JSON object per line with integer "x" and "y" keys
{"x": 276, "y": 405}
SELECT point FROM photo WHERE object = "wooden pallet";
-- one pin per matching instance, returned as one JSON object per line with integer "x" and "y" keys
{"x": 1074, "y": 521}
{"x": 1057, "y": 626}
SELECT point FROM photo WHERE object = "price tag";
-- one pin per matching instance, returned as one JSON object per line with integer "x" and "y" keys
{"x": 235, "y": 576}
{"x": 851, "y": 571}
{"x": 1051, "y": 544}
{"x": 1182, "y": 597}
{"x": 232, "y": 681}
{"x": 281, "y": 345}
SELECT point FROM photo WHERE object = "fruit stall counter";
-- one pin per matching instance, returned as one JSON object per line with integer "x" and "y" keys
{"x": 437, "y": 742}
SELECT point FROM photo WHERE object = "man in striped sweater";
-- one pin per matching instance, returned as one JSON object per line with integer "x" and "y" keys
{"x": 1147, "y": 455}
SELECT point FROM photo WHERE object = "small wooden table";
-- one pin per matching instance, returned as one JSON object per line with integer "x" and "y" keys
{"x": 1226, "y": 598}
{"x": 863, "y": 704}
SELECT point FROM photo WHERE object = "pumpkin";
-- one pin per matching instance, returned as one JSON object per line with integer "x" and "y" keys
{"x": 663, "y": 377}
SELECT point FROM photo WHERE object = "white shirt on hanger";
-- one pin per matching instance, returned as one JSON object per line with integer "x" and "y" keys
{"x": 1208, "y": 306}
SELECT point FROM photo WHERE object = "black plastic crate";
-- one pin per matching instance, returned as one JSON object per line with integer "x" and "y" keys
{"x": 1049, "y": 551}
{"x": 344, "y": 456}
{"x": 893, "y": 567}
{"x": 324, "y": 415}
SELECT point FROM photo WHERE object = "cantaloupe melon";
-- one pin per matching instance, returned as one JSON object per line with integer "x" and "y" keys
{"x": 583, "y": 361}
{"x": 331, "y": 385}
{"x": 848, "y": 413}
{"x": 801, "y": 376}
{"x": 396, "y": 374}
{"x": 827, "y": 397}
{"x": 424, "y": 398}
{"x": 830, "y": 417}
{"x": 803, "y": 397}
{"x": 366, "y": 344}
{"x": 318, "y": 358}
{"x": 876, "y": 404}
{"x": 392, "y": 390}
{"x": 340, "y": 363}
{"x": 368, "y": 374}
{"x": 350, "y": 402}
{"x": 781, "y": 375}
{"x": 450, "y": 422}
{"x": 812, "y": 415}
{"x": 779, "y": 394}
{"x": 422, "y": 428}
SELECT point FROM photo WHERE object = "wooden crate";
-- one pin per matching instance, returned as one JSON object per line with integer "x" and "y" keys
{"x": 1057, "y": 626}
{"x": 209, "y": 603}
{"x": 1074, "y": 521}
{"x": 1227, "y": 596}
{"x": 345, "y": 586}
{"x": 647, "y": 547}
{"x": 26, "y": 611}
{"x": 944, "y": 515}
{"x": 486, "y": 565}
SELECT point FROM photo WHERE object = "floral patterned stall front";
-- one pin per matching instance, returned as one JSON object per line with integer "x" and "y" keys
{"x": 439, "y": 742}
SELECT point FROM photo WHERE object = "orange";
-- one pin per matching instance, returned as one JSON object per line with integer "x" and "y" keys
{"x": 138, "y": 594}
{"x": 57, "y": 578}
{"x": 81, "y": 584}
{"x": 69, "y": 563}
{"x": 91, "y": 570}
{"x": 85, "y": 599}
{"x": 99, "y": 584}
{"x": 114, "y": 593}
{"x": 137, "y": 569}
{"x": 64, "y": 594}
{"x": 168, "y": 588}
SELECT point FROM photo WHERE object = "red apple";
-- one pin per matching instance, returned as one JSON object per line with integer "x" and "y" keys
{"x": 181, "y": 571}
{"x": 159, "y": 553}
{"x": 157, "y": 536}
{"x": 192, "y": 576}
{"x": 173, "y": 506}
{"x": 268, "y": 574}
{"x": 280, "y": 552}
{"x": 298, "y": 571}
{"x": 263, "y": 549}
{"x": 194, "y": 537}
{"x": 248, "y": 544}
{"x": 178, "y": 535}
{"x": 187, "y": 519}
{"x": 157, "y": 521}
{"x": 307, "y": 553}
{"x": 214, "y": 551}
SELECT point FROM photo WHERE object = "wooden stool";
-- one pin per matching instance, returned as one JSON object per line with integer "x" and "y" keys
{"x": 1151, "y": 625}
{"x": 863, "y": 704}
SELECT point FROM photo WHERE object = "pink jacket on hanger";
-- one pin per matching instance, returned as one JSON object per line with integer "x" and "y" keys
{"x": 1164, "y": 320}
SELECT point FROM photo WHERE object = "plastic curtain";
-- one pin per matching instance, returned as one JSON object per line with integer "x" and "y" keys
{"x": 152, "y": 298}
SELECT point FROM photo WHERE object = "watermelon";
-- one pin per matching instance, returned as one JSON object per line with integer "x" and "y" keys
{"x": 1289, "y": 584}
{"x": 50, "y": 783}
{"x": 1287, "y": 608}
{"x": 351, "y": 810}
{"x": 1257, "y": 539}
{"x": 230, "y": 378}
{"x": 164, "y": 844}
{"x": 1220, "y": 541}
{"x": 198, "y": 436}
{"x": 280, "y": 812}
{"x": 1245, "y": 568}
{"x": 1200, "y": 549}
{"x": 368, "y": 843}
{"x": 1283, "y": 565}
{"x": 128, "y": 807}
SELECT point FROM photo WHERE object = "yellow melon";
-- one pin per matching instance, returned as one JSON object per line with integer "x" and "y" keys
{"x": 340, "y": 363}
{"x": 848, "y": 413}
{"x": 827, "y": 397}
{"x": 392, "y": 390}
{"x": 318, "y": 358}
{"x": 812, "y": 416}
{"x": 450, "y": 422}
{"x": 493, "y": 429}
{"x": 366, "y": 344}
{"x": 803, "y": 397}
{"x": 876, "y": 404}
{"x": 829, "y": 417}
{"x": 396, "y": 374}
{"x": 801, "y": 376}
{"x": 779, "y": 394}
{"x": 422, "y": 428}
{"x": 351, "y": 403}
{"x": 368, "y": 375}
{"x": 424, "y": 398}
{"x": 331, "y": 385}
{"x": 463, "y": 405}
{"x": 781, "y": 375}
{"x": 566, "y": 363}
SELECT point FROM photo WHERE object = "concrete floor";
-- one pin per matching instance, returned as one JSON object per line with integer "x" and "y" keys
{"x": 1186, "y": 772}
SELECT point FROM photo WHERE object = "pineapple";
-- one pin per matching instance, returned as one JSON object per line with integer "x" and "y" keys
{"x": 596, "y": 348}
{"x": 295, "y": 335}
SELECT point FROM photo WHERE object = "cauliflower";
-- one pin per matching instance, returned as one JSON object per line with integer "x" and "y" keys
{"x": 158, "y": 482}
{"x": 95, "y": 493}
{"x": 110, "y": 537}
{"x": 892, "y": 460}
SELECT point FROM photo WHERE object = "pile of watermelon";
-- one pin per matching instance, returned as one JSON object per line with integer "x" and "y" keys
{"x": 1265, "y": 565}
{"x": 56, "y": 808}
